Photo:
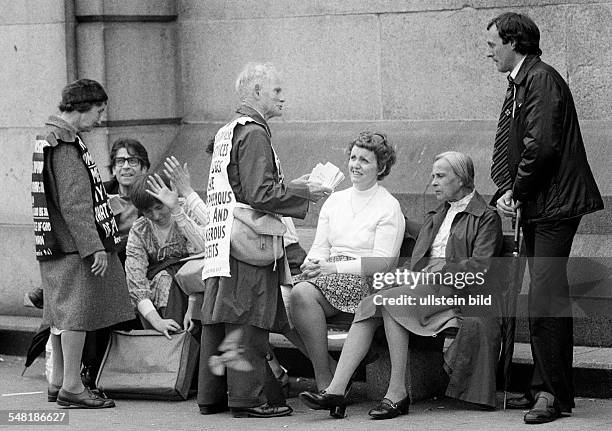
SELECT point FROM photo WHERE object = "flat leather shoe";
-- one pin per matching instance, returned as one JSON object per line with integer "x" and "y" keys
{"x": 52, "y": 392}
{"x": 387, "y": 409}
{"x": 544, "y": 410}
{"x": 520, "y": 403}
{"x": 84, "y": 400}
{"x": 263, "y": 411}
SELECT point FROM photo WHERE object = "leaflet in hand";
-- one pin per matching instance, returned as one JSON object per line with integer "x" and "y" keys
{"x": 117, "y": 203}
{"x": 328, "y": 174}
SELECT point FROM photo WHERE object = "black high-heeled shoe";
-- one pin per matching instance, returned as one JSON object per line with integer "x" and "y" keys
{"x": 387, "y": 409}
{"x": 336, "y": 404}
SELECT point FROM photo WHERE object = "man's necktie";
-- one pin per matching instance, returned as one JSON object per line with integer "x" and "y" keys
{"x": 500, "y": 172}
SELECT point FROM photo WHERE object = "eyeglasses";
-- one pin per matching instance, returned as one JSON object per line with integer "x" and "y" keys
{"x": 132, "y": 161}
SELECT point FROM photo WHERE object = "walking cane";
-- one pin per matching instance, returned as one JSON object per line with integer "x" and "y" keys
{"x": 516, "y": 224}
{"x": 517, "y": 233}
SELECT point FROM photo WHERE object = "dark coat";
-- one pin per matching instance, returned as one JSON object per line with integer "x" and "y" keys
{"x": 252, "y": 294}
{"x": 474, "y": 241}
{"x": 546, "y": 154}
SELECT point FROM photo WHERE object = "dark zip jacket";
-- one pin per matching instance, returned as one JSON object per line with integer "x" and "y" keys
{"x": 546, "y": 154}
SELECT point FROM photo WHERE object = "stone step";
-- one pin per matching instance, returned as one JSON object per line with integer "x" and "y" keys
{"x": 592, "y": 365}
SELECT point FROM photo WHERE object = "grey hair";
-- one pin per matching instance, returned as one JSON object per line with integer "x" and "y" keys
{"x": 462, "y": 166}
{"x": 251, "y": 75}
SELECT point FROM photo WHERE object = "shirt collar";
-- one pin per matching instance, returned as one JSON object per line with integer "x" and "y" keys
{"x": 255, "y": 115}
{"x": 463, "y": 202}
{"x": 476, "y": 205}
{"x": 516, "y": 69}
{"x": 61, "y": 129}
{"x": 256, "y": 110}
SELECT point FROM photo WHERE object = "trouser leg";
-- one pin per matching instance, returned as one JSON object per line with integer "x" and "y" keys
{"x": 550, "y": 318}
{"x": 212, "y": 389}
{"x": 247, "y": 388}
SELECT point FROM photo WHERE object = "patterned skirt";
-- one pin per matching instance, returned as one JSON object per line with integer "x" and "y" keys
{"x": 343, "y": 291}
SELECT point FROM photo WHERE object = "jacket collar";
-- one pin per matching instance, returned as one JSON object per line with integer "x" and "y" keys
{"x": 528, "y": 63}
{"x": 60, "y": 129}
{"x": 476, "y": 206}
{"x": 250, "y": 112}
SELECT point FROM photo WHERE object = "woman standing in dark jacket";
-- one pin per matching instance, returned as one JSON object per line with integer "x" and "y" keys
{"x": 84, "y": 285}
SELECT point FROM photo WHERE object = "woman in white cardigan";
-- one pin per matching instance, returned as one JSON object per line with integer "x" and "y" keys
{"x": 359, "y": 232}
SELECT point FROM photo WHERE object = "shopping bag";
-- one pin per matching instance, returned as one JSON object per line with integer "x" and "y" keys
{"x": 144, "y": 364}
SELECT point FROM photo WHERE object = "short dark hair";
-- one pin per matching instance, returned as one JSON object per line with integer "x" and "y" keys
{"x": 133, "y": 147}
{"x": 139, "y": 196}
{"x": 377, "y": 143}
{"x": 520, "y": 29}
{"x": 82, "y": 95}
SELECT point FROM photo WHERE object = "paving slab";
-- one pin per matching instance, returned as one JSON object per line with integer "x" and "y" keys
{"x": 28, "y": 393}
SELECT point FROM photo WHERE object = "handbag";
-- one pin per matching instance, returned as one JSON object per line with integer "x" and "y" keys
{"x": 257, "y": 237}
{"x": 189, "y": 277}
{"x": 144, "y": 364}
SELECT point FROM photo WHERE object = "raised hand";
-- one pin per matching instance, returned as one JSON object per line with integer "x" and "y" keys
{"x": 160, "y": 191}
{"x": 179, "y": 176}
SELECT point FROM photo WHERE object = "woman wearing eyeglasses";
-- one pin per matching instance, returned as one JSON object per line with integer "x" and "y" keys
{"x": 129, "y": 159}
{"x": 359, "y": 232}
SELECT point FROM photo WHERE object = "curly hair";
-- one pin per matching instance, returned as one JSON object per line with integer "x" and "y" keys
{"x": 377, "y": 143}
{"x": 520, "y": 29}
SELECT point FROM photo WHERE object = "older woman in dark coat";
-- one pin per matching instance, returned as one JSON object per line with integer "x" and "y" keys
{"x": 84, "y": 285}
{"x": 460, "y": 237}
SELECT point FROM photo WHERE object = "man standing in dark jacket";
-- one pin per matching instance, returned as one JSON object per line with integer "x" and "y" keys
{"x": 540, "y": 166}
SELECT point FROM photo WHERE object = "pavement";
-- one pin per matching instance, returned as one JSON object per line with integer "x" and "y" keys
{"x": 21, "y": 394}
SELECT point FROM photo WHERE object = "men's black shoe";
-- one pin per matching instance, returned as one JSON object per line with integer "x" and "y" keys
{"x": 52, "y": 392}
{"x": 263, "y": 411}
{"x": 544, "y": 410}
{"x": 519, "y": 403}
{"x": 211, "y": 409}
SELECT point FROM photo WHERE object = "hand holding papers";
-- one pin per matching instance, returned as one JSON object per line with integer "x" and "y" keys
{"x": 321, "y": 181}
{"x": 328, "y": 175}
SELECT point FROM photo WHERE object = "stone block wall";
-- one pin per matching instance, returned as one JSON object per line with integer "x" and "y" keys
{"x": 416, "y": 70}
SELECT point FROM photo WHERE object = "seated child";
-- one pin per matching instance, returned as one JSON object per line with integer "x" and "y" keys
{"x": 166, "y": 233}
